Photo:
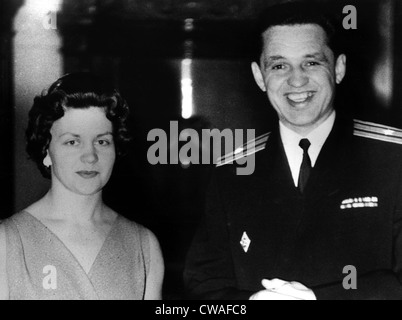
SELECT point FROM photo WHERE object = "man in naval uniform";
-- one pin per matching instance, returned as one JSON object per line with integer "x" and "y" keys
{"x": 321, "y": 216}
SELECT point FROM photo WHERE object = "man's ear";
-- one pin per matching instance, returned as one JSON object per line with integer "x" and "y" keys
{"x": 340, "y": 68}
{"x": 259, "y": 79}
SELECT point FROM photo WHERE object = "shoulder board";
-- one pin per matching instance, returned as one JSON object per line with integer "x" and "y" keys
{"x": 249, "y": 148}
{"x": 377, "y": 132}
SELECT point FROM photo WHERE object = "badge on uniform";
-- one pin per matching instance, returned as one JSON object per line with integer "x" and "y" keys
{"x": 245, "y": 242}
{"x": 354, "y": 203}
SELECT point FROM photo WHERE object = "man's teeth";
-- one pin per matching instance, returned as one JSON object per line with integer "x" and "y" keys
{"x": 300, "y": 97}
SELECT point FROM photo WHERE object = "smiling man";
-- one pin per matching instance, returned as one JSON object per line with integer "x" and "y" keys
{"x": 299, "y": 72}
{"x": 326, "y": 193}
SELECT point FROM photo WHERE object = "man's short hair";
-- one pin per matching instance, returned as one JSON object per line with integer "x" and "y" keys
{"x": 298, "y": 13}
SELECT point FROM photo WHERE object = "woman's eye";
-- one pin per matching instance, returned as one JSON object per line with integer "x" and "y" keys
{"x": 103, "y": 142}
{"x": 72, "y": 143}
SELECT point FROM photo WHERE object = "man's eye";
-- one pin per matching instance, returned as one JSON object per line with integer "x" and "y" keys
{"x": 312, "y": 63}
{"x": 278, "y": 67}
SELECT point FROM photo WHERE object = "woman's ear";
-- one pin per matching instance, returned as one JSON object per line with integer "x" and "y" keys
{"x": 47, "y": 162}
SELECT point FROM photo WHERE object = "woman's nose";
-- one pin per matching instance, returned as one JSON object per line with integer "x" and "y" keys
{"x": 90, "y": 155}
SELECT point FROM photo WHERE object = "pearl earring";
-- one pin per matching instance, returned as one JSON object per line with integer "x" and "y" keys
{"x": 47, "y": 162}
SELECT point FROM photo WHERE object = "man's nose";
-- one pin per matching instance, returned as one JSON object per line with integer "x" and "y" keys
{"x": 89, "y": 154}
{"x": 298, "y": 78}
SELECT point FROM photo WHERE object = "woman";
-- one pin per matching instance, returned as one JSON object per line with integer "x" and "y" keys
{"x": 69, "y": 244}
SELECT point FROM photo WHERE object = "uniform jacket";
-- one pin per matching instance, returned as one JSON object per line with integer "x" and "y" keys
{"x": 259, "y": 226}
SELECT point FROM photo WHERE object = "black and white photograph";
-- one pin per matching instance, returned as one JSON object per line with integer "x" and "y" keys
{"x": 201, "y": 150}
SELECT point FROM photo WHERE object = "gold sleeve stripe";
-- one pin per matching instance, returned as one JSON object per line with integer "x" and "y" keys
{"x": 377, "y": 125}
{"x": 382, "y": 131}
{"x": 376, "y": 136}
{"x": 247, "y": 149}
{"x": 377, "y": 131}
{"x": 248, "y": 145}
{"x": 239, "y": 156}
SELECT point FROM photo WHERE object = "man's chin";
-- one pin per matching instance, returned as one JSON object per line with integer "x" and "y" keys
{"x": 301, "y": 121}
{"x": 301, "y": 125}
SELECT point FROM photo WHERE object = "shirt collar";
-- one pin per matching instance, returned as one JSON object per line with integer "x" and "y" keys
{"x": 317, "y": 137}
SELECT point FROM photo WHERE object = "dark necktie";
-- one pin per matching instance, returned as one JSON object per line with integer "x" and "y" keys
{"x": 305, "y": 167}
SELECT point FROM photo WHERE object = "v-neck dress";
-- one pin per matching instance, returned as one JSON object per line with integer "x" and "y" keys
{"x": 41, "y": 267}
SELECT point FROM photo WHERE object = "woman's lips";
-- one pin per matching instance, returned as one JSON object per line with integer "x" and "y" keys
{"x": 87, "y": 174}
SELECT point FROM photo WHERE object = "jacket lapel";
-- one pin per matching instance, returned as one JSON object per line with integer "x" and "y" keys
{"x": 281, "y": 200}
{"x": 333, "y": 163}
{"x": 273, "y": 171}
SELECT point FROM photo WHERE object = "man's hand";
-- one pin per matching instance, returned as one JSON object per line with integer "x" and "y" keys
{"x": 277, "y": 289}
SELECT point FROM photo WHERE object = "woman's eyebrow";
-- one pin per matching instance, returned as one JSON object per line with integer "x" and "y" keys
{"x": 77, "y": 135}
{"x": 69, "y": 133}
{"x": 105, "y": 134}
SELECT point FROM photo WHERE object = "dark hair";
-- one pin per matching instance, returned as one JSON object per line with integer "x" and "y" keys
{"x": 298, "y": 13}
{"x": 79, "y": 91}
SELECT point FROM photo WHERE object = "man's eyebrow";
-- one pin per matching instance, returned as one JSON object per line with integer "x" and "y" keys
{"x": 275, "y": 58}
{"x": 318, "y": 55}
{"x": 272, "y": 59}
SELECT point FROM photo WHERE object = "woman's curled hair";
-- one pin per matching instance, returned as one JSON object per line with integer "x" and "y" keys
{"x": 78, "y": 91}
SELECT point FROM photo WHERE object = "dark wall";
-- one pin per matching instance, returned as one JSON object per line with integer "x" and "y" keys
{"x": 397, "y": 101}
{"x": 366, "y": 50}
{"x": 8, "y": 9}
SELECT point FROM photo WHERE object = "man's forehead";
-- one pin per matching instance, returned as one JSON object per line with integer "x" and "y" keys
{"x": 297, "y": 40}
{"x": 298, "y": 33}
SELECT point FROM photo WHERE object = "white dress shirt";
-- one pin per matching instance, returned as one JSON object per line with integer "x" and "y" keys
{"x": 294, "y": 153}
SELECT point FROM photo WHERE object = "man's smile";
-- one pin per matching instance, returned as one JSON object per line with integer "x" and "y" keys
{"x": 299, "y": 99}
